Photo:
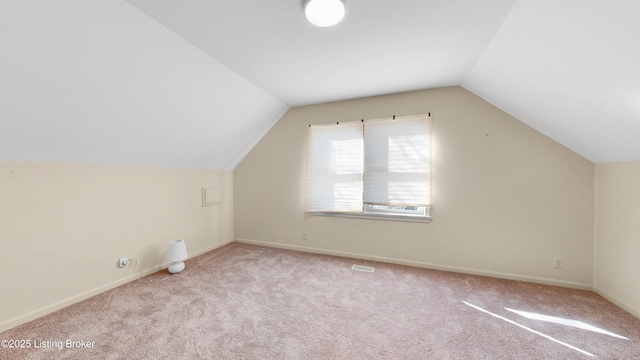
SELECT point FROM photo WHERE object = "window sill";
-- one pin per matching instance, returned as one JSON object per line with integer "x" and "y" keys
{"x": 387, "y": 217}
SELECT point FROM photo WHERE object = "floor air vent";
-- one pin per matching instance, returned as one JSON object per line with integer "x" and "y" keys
{"x": 363, "y": 268}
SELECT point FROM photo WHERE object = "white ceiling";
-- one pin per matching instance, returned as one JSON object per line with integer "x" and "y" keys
{"x": 196, "y": 83}
{"x": 381, "y": 47}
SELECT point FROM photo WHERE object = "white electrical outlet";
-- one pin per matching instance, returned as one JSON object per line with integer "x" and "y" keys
{"x": 558, "y": 263}
{"x": 123, "y": 262}
{"x": 304, "y": 236}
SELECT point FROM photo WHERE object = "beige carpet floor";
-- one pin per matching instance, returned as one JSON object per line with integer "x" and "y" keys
{"x": 251, "y": 302}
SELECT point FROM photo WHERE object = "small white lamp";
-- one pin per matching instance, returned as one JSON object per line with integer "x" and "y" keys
{"x": 324, "y": 13}
{"x": 177, "y": 253}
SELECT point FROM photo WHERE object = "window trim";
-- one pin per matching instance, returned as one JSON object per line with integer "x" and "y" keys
{"x": 422, "y": 210}
{"x": 423, "y": 217}
{"x": 373, "y": 216}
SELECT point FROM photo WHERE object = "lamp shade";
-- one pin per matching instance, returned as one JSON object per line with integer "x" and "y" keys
{"x": 177, "y": 251}
{"x": 324, "y": 13}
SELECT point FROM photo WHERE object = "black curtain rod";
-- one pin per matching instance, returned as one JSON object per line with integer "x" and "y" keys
{"x": 362, "y": 120}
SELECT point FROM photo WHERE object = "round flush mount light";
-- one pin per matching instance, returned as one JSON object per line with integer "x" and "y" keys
{"x": 324, "y": 13}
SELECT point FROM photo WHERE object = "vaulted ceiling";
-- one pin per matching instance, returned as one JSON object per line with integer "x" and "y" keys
{"x": 196, "y": 83}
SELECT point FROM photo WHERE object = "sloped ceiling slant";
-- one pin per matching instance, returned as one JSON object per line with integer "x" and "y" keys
{"x": 571, "y": 70}
{"x": 99, "y": 82}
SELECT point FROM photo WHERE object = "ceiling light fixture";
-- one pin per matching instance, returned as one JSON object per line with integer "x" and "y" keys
{"x": 324, "y": 13}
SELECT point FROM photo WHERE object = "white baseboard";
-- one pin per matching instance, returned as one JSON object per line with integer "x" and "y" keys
{"x": 627, "y": 308}
{"x": 19, "y": 320}
{"x": 494, "y": 274}
{"x": 77, "y": 298}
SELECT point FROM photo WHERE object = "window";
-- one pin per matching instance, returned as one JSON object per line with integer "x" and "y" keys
{"x": 370, "y": 168}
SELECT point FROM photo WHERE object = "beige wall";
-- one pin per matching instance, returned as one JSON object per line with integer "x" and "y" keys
{"x": 63, "y": 227}
{"x": 506, "y": 198}
{"x": 617, "y": 234}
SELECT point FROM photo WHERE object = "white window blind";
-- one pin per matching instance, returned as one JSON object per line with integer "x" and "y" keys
{"x": 380, "y": 166}
{"x": 334, "y": 168}
{"x": 397, "y": 161}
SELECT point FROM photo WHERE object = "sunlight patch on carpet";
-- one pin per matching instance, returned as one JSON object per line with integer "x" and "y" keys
{"x": 529, "y": 329}
{"x": 566, "y": 322}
